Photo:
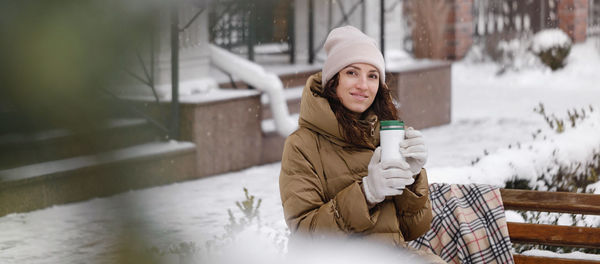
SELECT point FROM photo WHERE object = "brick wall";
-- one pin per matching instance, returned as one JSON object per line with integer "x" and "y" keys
{"x": 572, "y": 18}
{"x": 459, "y": 29}
{"x": 458, "y": 32}
{"x": 443, "y": 29}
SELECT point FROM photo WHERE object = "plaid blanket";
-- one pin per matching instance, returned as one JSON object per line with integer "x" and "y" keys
{"x": 468, "y": 225}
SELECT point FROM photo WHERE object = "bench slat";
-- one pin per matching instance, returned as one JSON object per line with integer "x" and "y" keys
{"x": 553, "y": 235}
{"x": 562, "y": 202}
{"x": 521, "y": 259}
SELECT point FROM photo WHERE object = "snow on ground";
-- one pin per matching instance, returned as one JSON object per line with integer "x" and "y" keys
{"x": 489, "y": 113}
{"x": 182, "y": 212}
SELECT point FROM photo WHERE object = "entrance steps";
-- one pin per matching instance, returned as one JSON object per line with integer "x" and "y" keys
{"x": 57, "y": 165}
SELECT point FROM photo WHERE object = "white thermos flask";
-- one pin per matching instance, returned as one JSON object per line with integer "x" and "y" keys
{"x": 391, "y": 133}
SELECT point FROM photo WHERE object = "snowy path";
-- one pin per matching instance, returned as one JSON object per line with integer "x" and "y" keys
{"x": 489, "y": 113}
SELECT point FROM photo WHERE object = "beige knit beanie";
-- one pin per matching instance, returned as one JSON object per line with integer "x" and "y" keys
{"x": 347, "y": 45}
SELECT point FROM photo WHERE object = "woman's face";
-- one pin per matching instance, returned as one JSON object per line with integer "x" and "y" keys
{"x": 357, "y": 86}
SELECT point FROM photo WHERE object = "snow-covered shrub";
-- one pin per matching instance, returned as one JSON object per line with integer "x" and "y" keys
{"x": 237, "y": 230}
{"x": 235, "y": 226}
{"x": 574, "y": 177}
{"x": 514, "y": 55}
{"x": 558, "y": 124}
{"x": 552, "y": 46}
{"x": 250, "y": 211}
{"x": 182, "y": 253}
{"x": 577, "y": 176}
{"x": 477, "y": 53}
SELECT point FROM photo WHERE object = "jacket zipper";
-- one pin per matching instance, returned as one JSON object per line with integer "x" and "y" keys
{"x": 372, "y": 123}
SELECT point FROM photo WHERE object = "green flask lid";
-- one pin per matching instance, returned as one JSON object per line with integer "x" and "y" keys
{"x": 392, "y": 125}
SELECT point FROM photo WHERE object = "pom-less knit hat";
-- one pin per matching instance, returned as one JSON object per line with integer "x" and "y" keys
{"x": 347, "y": 45}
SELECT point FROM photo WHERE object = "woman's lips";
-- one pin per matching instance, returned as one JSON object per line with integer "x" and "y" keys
{"x": 359, "y": 96}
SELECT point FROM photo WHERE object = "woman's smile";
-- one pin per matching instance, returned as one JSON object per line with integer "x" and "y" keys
{"x": 359, "y": 96}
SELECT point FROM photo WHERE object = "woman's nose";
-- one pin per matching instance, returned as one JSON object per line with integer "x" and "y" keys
{"x": 362, "y": 82}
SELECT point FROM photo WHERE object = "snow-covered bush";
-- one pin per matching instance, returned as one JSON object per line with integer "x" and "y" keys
{"x": 515, "y": 55}
{"x": 557, "y": 124}
{"x": 238, "y": 232}
{"x": 575, "y": 176}
{"x": 510, "y": 52}
{"x": 477, "y": 53}
{"x": 579, "y": 176}
{"x": 552, "y": 46}
{"x": 237, "y": 226}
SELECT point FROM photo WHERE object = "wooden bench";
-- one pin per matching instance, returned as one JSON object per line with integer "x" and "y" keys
{"x": 553, "y": 235}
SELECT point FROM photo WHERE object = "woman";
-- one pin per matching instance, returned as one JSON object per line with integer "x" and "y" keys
{"x": 332, "y": 181}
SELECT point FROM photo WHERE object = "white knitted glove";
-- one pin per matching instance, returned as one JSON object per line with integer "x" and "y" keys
{"x": 385, "y": 178}
{"x": 413, "y": 150}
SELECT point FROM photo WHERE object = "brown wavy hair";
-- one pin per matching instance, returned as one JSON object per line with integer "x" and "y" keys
{"x": 353, "y": 127}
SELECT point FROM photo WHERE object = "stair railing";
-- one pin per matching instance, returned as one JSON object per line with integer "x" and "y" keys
{"x": 256, "y": 76}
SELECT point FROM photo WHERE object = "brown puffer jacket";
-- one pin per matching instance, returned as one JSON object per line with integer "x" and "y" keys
{"x": 321, "y": 181}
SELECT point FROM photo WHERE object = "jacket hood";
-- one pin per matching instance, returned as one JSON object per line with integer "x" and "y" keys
{"x": 316, "y": 114}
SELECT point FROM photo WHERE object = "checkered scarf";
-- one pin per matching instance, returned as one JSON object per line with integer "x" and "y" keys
{"x": 468, "y": 225}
